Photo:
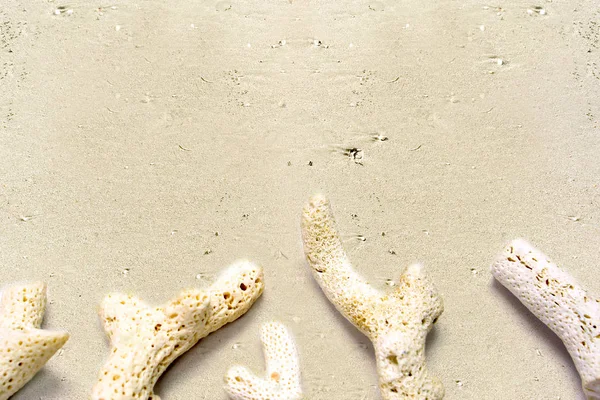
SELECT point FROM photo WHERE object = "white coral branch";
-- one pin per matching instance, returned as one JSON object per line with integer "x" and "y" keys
{"x": 24, "y": 348}
{"x": 282, "y": 380}
{"x": 145, "y": 340}
{"x": 396, "y": 322}
{"x": 558, "y": 301}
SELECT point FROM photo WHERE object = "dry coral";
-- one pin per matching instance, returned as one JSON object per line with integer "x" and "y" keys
{"x": 24, "y": 347}
{"x": 146, "y": 340}
{"x": 554, "y": 297}
{"x": 397, "y": 322}
{"x": 282, "y": 380}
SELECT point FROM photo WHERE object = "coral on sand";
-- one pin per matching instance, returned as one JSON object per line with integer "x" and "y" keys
{"x": 554, "y": 297}
{"x": 397, "y": 322}
{"x": 282, "y": 380}
{"x": 24, "y": 347}
{"x": 146, "y": 340}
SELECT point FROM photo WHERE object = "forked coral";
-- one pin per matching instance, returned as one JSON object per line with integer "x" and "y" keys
{"x": 146, "y": 340}
{"x": 282, "y": 380}
{"x": 558, "y": 301}
{"x": 396, "y": 322}
{"x": 24, "y": 347}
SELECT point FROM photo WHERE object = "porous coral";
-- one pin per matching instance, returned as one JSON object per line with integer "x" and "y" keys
{"x": 146, "y": 340}
{"x": 558, "y": 301}
{"x": 397, "y": 322}
{"x": 282, "y": 380}
{"x": 24, "y": 347}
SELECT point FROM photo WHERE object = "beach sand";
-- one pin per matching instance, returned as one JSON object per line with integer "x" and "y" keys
{"x": 145, "y": 146}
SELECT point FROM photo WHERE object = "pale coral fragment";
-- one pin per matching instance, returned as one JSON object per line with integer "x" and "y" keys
{"x": 24, "y": 348}
{"x": 397, "y": 322}
{"x": 282, "y": 380}
{"x": 145, "y": 340}
{"x": 554, "y": 297}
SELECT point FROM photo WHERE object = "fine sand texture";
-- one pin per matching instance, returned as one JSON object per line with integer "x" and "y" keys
{"x": 147, "y": 145}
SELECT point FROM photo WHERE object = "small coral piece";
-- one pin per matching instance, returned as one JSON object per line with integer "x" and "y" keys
{"x": 554, "y": 297}
{"x": 145, "y": 340}
{"x": 396, "y": 322}
{"x": 283, "y": 371}
{"x": 24, "y": 348}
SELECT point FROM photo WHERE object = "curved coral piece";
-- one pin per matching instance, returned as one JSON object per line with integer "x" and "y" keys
{"x": 554, "y": 297}
{"x": 282, "y": 380}
{"x": 145, "y": 340}
{"x": 24, "y": 347}
{"x": 396, "y": 322}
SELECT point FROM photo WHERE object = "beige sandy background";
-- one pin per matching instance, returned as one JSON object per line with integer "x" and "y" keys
{"x": 133, "y": 132}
